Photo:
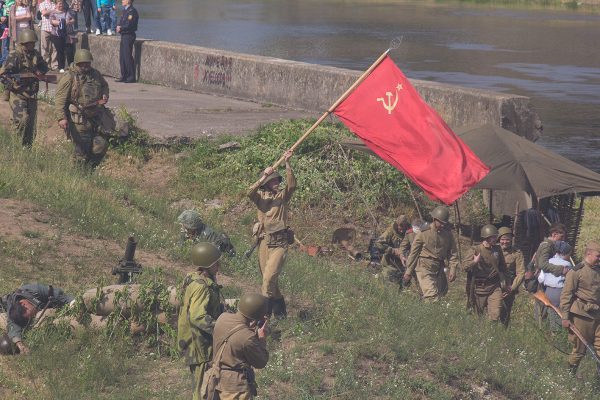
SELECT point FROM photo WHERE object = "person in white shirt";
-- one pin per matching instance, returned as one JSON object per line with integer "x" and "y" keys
{"x": 553, "y": 284}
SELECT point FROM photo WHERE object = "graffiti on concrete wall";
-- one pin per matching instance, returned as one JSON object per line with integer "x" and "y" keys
{"x": 216, "y": 71}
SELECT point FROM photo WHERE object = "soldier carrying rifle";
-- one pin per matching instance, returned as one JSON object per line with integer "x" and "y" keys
{"x": 21, "y": 73}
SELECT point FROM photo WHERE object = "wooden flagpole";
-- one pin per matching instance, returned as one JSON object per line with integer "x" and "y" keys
{"x": 334, "y": 106}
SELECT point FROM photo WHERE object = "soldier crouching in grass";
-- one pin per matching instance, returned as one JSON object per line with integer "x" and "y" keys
{"x": 23, "y": 91}
{"x": 428, "y": 253}
{"x": 272, "y": 204}
{"x": 388, "y": 245}
{"x": 200, "y": 308}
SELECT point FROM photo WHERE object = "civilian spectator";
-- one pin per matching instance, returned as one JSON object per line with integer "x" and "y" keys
{"x": 90, "y": 12}
{"x": 74, "y": 6}
{"x": 20, "y": 17}
{"x": 3, "y": 32}
{"x": 107, "y": 17}
{"x": 48, "y": 51}
{"x": 61, "y": 21}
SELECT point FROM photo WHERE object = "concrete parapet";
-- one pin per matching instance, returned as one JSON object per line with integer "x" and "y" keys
{"x": 296, "y": 84}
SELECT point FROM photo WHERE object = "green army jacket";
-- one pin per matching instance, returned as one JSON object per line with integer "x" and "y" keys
{"x": 543, "y": 254}
{"x": 80, "y": 89}
{"x": 273, "y": 207}
{"x": 581, "y": 293}
{"x": 19, "y": 61}
{"x": 515, "y": 266}
{"x": 434, "y": 246}
{"x": 389, "y": 240}
{"x": 491, "y": 263}
{"x": 200, "y": 309}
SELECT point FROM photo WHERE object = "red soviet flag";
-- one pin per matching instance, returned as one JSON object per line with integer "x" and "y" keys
{"x": 388, "y": 114}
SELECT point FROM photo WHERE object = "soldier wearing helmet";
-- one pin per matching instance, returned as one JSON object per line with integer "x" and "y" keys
{"x": 388, "y": 245}
{"x": 273, "y": 232}
{"x": 200, "y": 308}
{"x": 239, "y": 346}
{"x": 80, "y": 98}
{"x": 487, "y": 275}
{"x": 515, "y": 271}
{"x": 194, "y": 230}
{"x": 25, "y": 59}
{"x": 22, "y": 307}
{"x": 428, "y": 254}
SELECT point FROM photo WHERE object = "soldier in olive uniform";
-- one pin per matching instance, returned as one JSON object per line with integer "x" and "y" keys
{"x": 23, "y": 92}
{"x": 200, "y": 308}
{"x": 515, "y": 271}
{"x": 194, "y": 230}
{"x": 417, "y": 226}
{"x": 239, "y": 346}
{"x": 546, "y": 251}
{"x": 272, "y": 204}
{"x": 80, "y": 98}
{"x": 580, "y": 303}
{"x": 487, "y": 275}
{"x": 427, "y": 256}
{"x": 388, "y": 245}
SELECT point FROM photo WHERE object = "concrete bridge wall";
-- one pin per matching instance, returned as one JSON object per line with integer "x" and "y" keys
{"x": 296, "y": 84}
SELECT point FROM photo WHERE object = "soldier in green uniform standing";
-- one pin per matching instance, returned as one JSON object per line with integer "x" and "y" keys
{"x": 388, "y": 245}
{"x": 515, "y": 271}
{"x": 80, "y": 98}
{"x": 194, "y": 230}
{"x": 273, "y": 233}
{"x": 429, "y": 251}
{"x": 487, "y": 275}
{"x": 580, "y": 304}
{"x": 546, "y": 251}
{"x": 200, "y": 308}
{"x": 23, "y": 91}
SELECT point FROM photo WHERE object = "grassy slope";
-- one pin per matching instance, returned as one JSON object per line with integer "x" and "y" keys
{"x": 348, "y": 335}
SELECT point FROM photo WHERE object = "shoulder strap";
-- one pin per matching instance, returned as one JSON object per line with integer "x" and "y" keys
{"x": 217, "y": 360}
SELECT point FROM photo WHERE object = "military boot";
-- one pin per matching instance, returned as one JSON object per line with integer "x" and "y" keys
{"x": 270, "y": 302}
{"x": 279, "y": 308}
{"x": 573, "y": 369}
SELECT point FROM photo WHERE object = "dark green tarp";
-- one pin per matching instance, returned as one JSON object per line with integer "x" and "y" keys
{"x": 518, "y": 165}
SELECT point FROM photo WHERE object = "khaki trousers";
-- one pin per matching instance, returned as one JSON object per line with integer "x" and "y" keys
{"x": 490, "y": 300}
{"x": 235, "y": 396}
{"x": 271, "y": 261}
{"x": 48, "y": 51}
{"x": 427, "y": 275}
{"x": 590, "y": 330}
{"x": 197, "y": 371}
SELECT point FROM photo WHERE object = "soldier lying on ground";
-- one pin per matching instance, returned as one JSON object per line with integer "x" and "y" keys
{"x": 194, "y": 230}
{"x": 21, "y": 307}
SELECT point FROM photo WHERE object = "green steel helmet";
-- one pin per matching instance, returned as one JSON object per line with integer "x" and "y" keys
{"x": 99, "y": 145}
{"x": 205, "y": 255}
{"x": 504, "y": 231}
{"x": 253, "y": 306}
{"x": 274, "y": 175}
{"x": 440, "y": 213}
{"x": 190, "y": 219}
{"x": 27, "y": 36}
{"x": 7, "y": 346}
{"x": 83, "y": 55}
{"x": 488, "y": 230}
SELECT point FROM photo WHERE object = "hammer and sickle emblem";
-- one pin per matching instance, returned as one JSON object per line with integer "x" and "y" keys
{"x": 390, "y": 106}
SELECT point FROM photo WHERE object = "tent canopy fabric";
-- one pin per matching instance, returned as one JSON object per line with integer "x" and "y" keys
{"x": 518, "y": 165}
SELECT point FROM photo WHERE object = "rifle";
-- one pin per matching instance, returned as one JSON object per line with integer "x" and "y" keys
{"x": 249, "y": 252}
{"x": 12, "y": 81}
{"x": 541, "y": 296}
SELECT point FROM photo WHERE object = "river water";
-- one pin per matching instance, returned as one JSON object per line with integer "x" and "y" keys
{"x": 551, "y": 56}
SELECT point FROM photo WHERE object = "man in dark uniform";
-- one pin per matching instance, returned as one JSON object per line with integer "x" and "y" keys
{"x": 127, "y": 27}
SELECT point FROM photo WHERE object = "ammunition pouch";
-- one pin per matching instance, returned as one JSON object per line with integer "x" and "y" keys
{"x": 485, "y": 282}
{"x": 281, "y": 238}
{"x": 77, "y": 117}
{"x": 587, "y": 306}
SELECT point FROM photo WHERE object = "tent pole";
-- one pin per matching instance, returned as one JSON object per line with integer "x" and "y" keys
{"x": 413, "y": 197}
{"x": 458, "y": 224}
{"x": 491, "y": 200}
